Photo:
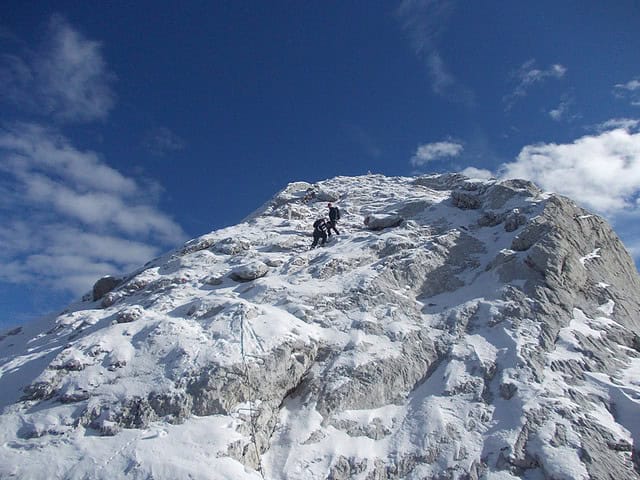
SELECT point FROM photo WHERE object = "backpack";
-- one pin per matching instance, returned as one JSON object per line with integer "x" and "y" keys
{"x": 334, "y": 212}
{"x": 317, "y": 224}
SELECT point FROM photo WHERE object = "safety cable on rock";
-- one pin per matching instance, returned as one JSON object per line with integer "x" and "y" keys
{"x": 250, "y": 395}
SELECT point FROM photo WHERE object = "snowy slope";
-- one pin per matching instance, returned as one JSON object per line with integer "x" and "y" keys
{"x": 490, "y": 334}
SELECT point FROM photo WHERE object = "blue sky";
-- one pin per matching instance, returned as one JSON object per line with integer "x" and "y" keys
{"x": 127, "y": 129}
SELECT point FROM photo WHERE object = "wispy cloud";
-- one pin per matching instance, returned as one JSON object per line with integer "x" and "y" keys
{"x": 161, "y": 141}
{"x": 33, "y": 147}
{"x": 69, "y": 218}
{"x": 624, "y": 123}
{"x": 433, "y": 151}
{"x": 529, "y": 75}
{"x": 563, "y": 110}
{"x": 629, "y": 91}
{"x": 424, "y": 21}
{"x": 66, "y": 77}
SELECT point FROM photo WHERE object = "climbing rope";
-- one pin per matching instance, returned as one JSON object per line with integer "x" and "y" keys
{"x": 250, "y": 394}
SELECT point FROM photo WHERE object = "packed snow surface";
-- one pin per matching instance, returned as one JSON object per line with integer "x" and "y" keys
{"x": 466, "y": 329}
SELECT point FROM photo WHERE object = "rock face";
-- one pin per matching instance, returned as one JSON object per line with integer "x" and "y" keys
{"x": 478, "y": 330}
{"x": 104, "y": 286}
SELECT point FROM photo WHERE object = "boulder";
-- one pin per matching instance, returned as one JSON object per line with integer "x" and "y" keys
{"x": 382, "y": 221}
{"x": 249, "y": 271}
{"x": 104, "y": 286}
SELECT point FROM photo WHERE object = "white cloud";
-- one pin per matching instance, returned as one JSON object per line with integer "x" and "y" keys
{"x": 67, "y": 258}
{"x": 65, "y": 77}
{"x": 34, "y": 147}
{"x": 558, "y": 113}
{"x": 629, "y": 91}
{"x": 433, "y": 151}
{"x": 481, "y": 173}
{"x": 561, "y": 111}
{"x": 602, "y": 172}
{"x": 69, "y": 218}
{"x": 424, "y": 21}
{"x": 529, "y": 75}
{"x": 625, "y": 123}
{"x": 630, "y": 86}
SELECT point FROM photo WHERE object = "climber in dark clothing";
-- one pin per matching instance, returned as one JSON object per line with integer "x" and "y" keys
{"x": 334, "y": 216}
{"x": 319, "y": 232}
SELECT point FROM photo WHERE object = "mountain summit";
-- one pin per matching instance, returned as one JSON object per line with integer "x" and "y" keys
{"x": 467, "y": 329}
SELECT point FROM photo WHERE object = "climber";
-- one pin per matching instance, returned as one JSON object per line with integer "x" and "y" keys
{"x": 334, "y": 216}
{"x": 319, "y": 232}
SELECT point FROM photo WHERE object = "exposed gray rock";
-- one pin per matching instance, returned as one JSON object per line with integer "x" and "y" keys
{"x": 508, "y": 390}
{"x": 514, "y": 220}
{"x": 294, "y": 192}
{"x": 130, "y": 314}
{"x": 232, "y": 246}
{"x": 395, "y": 245}
{"x": 273, "y": 262}
{"x": 465, "y": 200}
{"x": 345, "y": 468}
{"x": 380, "y": 221}
{"x": 447, "y": 181}
{"x": 39, "y": 391}
{"x": 197, "y": 244}
{"x": 214, "y": 280}
{"x": 104, "y": 286}
{"x": 499, "y": 194}
{"x": 490, "y": 218}
{"x": 111, "y": 298}
{"x": 411, "y": 209}
{"x": 249, "y": 271}
{"x": 375, "y": 429}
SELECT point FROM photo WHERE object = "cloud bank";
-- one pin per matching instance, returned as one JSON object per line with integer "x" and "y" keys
{"x": 69, "y": 217}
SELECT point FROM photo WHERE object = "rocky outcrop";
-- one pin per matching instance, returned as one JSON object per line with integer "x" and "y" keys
{"x": 104, "y": 286}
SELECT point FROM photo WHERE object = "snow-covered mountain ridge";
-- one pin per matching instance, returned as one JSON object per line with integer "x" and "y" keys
{"x": 487, "y": 332}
